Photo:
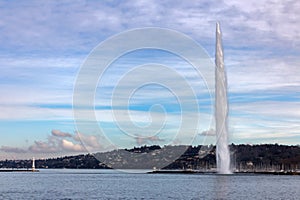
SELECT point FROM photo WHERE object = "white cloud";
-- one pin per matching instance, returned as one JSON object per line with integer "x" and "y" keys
{"x": 60, "y": 142}
{"x": 269, "y": 109}
{"x": 40, "y": 27}
{"x": 210, "y": 132}
{"x": 16, "y": 112}
{"x": 264, "y": 74}
{"x": 50, "y": 146}
{"x": 91, "y": 142}
{"x": 70, "y": 146}
{"x": 275, "y": 17}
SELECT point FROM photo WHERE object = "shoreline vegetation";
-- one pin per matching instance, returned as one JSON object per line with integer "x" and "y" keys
{"x": 259, "y": 159}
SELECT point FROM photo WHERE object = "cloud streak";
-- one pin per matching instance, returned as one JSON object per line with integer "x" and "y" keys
{"x": 9, "y": 149}
{"x": 59, "y": 133}
{"x": 59, "y": 142}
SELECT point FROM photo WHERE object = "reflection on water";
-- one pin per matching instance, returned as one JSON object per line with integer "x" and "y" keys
{"x": 221, "y": 186}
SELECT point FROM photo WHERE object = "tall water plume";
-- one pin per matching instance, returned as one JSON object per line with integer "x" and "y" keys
{"x": 221, "y": 108}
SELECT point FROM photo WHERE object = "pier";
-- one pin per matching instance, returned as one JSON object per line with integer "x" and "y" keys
{"x": 21, "y": 169}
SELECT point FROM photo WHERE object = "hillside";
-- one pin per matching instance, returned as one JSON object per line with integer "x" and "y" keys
{"x": 243, "y": 157}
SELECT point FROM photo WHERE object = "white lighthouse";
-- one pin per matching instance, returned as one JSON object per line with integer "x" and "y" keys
{"x": 33, "y": 165}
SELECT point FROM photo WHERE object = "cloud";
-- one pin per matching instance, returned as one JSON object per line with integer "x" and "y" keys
{"x": 265, "y": 122}
{"x": 8, "y": 149}
{"x": 35, "y": 26}
{"x": 192, "y": 17}
{"x": 59, "y": 133}
{"x": 55, "y": 144}
{"x": 28, "y": 112}
{"x": 148, "y": 140}
{"x": 59, "y": 142}
{"x": 91, "y": 142}
{"x": 268, "y": 109}
{"x": 51, "y": 146}
{"x": 38, "y": 27}
{"x": 70, "y": 146}
{"x": 272, "y": 17}
{"x": 271, "y": 76}
{"x": 210, "y": 132}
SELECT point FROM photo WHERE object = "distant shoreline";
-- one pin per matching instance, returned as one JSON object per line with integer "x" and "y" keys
{"x": 265, "y": 158}
{"x": 180, "y": 172}
{"x": 214, "y": 172}
{"x": 19, "y": 170}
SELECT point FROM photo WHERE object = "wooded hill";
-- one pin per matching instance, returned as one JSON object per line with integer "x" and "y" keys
{"x": 202, "y": 157}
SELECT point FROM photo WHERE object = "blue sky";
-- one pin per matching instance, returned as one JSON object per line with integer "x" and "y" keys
{"x": 44, "y": 44}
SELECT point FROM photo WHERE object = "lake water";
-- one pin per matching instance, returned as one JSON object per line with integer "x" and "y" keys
{"x": 110, "y": 184}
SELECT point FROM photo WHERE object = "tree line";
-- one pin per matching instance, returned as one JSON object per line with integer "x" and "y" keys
{"x": 201, "y": 157}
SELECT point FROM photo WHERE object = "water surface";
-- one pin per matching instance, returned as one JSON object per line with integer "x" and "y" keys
{"x": 110, "y": 184}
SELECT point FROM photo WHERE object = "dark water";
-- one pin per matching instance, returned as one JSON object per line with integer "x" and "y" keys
{"x": 99, "y": 184}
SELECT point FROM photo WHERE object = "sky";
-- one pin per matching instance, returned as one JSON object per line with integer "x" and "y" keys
{"x": 45, "y": 44}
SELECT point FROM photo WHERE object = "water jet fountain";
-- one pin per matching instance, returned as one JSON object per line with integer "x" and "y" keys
{"x": 221, "y": 108}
